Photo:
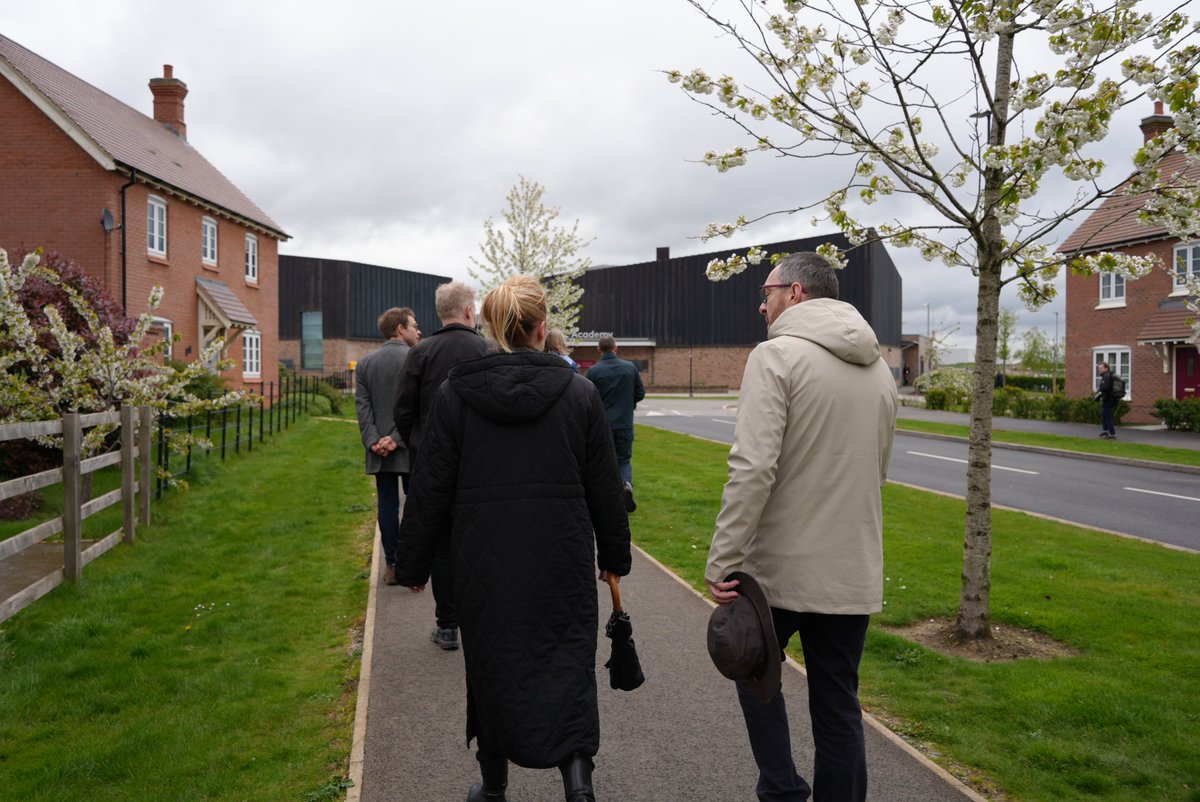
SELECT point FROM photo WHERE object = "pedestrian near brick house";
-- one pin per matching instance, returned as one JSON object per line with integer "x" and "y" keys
{"x": 427, "y": 366}
{"x": 802, "y": 515}
{"x": 376, "y": 379}
{"x": 1108, "y": 402}
{"x": 620, "y": 385}
{"x": 517, "y": 474}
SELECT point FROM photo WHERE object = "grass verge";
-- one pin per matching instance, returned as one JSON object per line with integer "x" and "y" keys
{"x": 1109, "y": 448}
{"x": 215, "y": 659}
{"x": 1116, "y": 722}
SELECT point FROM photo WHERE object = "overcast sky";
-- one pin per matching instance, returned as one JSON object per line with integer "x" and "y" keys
{"x": 386, "y": 132}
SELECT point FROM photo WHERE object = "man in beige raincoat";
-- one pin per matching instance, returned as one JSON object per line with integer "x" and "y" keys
{"x": 802, "y": 514}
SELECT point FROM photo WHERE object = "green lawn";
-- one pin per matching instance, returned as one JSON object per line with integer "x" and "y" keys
{"x": 1115, "y": 722}
{"x": 215, "y": 659}
{"x": 1111, "y": 448}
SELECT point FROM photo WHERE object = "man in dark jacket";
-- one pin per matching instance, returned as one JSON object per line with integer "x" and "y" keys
{"x": 428, "y": 364}
{"x": 620, "y": 386}
{"x": 375, "y": 381}
{"x": 1108, "y": 402}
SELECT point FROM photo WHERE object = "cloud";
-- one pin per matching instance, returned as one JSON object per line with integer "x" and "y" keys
{"x": 387, "y": 132}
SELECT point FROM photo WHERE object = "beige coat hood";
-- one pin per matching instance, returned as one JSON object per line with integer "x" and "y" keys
{"x": 802, "y": 510}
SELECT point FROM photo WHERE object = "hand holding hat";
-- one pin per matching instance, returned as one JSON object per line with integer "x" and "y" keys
{"x": 742, "y": 641}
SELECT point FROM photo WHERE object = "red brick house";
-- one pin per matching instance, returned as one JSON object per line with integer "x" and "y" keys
{"x": 1139, "y": 327}
{"x": 129, "y": 199}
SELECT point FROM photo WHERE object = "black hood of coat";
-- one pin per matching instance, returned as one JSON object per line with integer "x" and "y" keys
{"x": 512, "y": 388}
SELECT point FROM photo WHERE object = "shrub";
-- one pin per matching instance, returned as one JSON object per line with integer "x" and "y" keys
{"x": 1027, "y": 406}
{"x": 319, "y": 405}
{"x": 336, "y": 398}
{"x": 1001, "y": 400}
{"x": 209, "y": 384}
{"x": 1038, "y": 384}
{"x": 1178, "y": 414}
{"x": 1059, "y": 407}
{"x": 935, "y": 398}
{"x": 956, "y": 385}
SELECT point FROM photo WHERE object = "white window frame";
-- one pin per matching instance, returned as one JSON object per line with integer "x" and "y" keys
{"x": 156, "y": 226}
{"x": 208, "y": 241}
{"x": 1178, "y": 276}
{"x": 252, "y": 258}
{"x": 1112, "y": 290}
{"x": 252, "y": 354}
{"x": 1120, "y": 362}
{"x": 168, "y": 334}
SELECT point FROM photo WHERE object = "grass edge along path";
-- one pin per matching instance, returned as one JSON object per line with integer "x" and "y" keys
{"x": 217, "y": 657}
{"x": 1115, "y": 722}
{"x": 1107, "y": 448}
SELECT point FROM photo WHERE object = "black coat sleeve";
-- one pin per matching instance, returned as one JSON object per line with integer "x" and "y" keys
{"x": 408, "y": 396}
{"x": 605, "y": 492}
{"x": 429, "y": 506}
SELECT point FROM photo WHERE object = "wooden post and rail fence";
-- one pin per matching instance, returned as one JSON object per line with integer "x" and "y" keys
{"x": 147, "y": 442}
{"x": 136, "y": 460}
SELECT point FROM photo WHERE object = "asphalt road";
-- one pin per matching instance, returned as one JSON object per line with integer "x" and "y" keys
{"x": 1155, "y": 504}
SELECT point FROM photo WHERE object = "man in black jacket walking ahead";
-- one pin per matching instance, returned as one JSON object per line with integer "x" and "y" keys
{"x": 620, "y": 386}
{"x": 428, "y": 364}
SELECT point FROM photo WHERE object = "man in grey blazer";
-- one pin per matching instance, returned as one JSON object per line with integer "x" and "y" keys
{"x": 376, "y": 380}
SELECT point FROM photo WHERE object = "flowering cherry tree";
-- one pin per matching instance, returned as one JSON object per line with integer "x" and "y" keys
{"x": 987, "y": 115}
{"x": 529, "y": 242}
{"x": 54, "y": 360}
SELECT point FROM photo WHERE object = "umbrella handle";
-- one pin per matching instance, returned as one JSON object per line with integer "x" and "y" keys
{"x": 616, "y": 591}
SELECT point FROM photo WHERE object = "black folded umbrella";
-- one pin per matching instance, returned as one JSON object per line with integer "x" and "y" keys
{"x": 624, "y": 668}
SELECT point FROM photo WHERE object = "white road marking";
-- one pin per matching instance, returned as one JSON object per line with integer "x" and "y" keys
{"x": 1160, "y": 493}
{"x": 722, "y": 420}
{"x": 964, "y": 462}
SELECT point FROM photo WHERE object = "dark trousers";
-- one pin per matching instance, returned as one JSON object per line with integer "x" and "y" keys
{"x": 833, "y": 647}
{"x": 1107, "y": 407}
{"x": 387, "y": 489}
{"x": 623, "y": 441}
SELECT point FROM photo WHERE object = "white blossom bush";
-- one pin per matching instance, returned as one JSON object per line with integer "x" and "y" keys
{"x": 43, "y": 377}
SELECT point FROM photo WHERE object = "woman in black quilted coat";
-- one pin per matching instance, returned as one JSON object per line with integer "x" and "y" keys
{"x": 518, "y": 470}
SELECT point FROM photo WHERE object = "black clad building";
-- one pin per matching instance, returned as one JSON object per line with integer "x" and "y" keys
{"x": 328, "y": 309}
{"x": 687, "y": 332}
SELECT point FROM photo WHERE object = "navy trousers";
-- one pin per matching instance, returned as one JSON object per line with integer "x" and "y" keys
{"x": 387, "y": 489}
{"x": 833, "y": 647}
{"x": 623, "y": 442}
{"x": 1107, "y": 407}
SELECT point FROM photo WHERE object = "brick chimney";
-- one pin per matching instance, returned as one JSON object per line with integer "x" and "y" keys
{"x": 169, "y": 93}
{"x": 1156, "y": 123}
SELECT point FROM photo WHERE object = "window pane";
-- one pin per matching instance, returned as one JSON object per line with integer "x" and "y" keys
{"x": 312, "y": 345}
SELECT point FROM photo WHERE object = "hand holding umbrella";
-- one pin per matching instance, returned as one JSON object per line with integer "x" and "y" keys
{"x": 624, "y": 668}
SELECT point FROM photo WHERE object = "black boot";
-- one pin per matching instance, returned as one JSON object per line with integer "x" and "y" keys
{"x": 577, "y": 779}
{"x": 494, "y": 770}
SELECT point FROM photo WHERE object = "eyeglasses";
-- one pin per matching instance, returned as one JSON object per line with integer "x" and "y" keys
{"x": 764, "y": 290}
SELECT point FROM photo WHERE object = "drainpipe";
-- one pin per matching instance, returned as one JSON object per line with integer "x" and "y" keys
{"x": 124, "y": 237}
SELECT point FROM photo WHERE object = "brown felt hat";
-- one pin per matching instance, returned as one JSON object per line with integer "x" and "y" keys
{"x": 742, "y": 641}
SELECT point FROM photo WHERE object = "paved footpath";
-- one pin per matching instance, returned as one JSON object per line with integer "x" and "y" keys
{"x": 678, "y": 737}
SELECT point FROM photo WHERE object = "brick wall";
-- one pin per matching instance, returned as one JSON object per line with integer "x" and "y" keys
{"x": 1089, "y": 327}
{"x": 55, "y": 194}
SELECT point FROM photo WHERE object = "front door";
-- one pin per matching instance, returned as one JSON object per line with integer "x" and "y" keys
{"x": 1187, "y": 372}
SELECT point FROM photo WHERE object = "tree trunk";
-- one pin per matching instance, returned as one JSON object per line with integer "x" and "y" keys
{"x": 974, "y": 606}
